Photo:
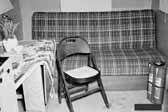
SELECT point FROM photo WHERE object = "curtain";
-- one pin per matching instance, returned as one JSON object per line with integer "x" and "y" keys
{"x": 131, "y": 4}
{"x": 103, "y": 5}
{"x": 164, "y": 5}
{"x": 85, "y": 5}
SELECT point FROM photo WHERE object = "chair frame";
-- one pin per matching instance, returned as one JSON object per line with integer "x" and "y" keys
{"x": 66, "y": 82}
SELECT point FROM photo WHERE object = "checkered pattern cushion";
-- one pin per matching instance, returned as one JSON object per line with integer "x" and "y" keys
{"x": 118, "y": 62}
{"x": 113, "y": 30}
{"x": 123, "y": 42}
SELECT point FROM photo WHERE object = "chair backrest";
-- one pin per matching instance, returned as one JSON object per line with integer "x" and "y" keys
{"x": 70, "y": 46}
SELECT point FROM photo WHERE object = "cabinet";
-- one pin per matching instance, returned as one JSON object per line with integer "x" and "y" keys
{"x": 8, "y": 97}
{"x": 33, "y": 89}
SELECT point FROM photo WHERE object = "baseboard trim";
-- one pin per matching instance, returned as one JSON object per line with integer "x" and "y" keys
{"x": 122, "y": 83}
{"x": 125, "y": 83}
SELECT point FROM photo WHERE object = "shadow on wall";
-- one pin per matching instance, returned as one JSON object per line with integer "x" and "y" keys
{"x": 15, "y": 14}
{"x": 162, "y": 31}
{"x": 29, "y": 6}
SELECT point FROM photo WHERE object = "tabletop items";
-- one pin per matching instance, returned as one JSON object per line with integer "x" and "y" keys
{"x": 30, "y": 52}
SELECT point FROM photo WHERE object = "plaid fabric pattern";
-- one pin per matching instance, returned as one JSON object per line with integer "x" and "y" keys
{"x": 112, "y": 30}
{"x": 118, "y": 62}
{"x": 123, "y": 42}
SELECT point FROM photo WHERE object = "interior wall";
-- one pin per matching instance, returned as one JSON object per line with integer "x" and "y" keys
{"x": 161, "y": 27}
{"x": 155, "y": 4}
{"x": 162, "y": 32}
{"x": 85, "y": 5}
{"x": 131, "y": 4}
{"x": 30, "y": 6}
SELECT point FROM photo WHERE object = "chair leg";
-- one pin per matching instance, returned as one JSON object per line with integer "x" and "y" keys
{"x": 63, "y": 90}
{"x": 87, "y": 87}
{"x": 68, "y": 100}
{"x": 59, "y": 90}
{"x": 103, "y": 93}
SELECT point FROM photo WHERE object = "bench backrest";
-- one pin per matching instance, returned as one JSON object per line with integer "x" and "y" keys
{"x": 113, "y": 30}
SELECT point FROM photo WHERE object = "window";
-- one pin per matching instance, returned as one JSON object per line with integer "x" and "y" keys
{"x": 85, "y": 5}
{"x": 103, "y": 5}
{"x": 164, "y": 5}
{"x": 131, "y": 4}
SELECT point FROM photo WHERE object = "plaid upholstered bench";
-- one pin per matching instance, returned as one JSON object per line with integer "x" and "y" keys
{"x": 122, "y": 41}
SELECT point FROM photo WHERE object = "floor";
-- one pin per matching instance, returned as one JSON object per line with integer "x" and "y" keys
{"x": 120, "y": 101}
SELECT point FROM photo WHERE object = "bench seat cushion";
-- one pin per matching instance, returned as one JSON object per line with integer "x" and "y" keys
{"x": 119, "y": 62}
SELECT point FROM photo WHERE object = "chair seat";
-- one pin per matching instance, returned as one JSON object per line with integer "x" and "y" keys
{"x": 82, "y": 72}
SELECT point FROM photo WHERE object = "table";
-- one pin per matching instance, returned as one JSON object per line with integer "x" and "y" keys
{"x": 27, "y": 68}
